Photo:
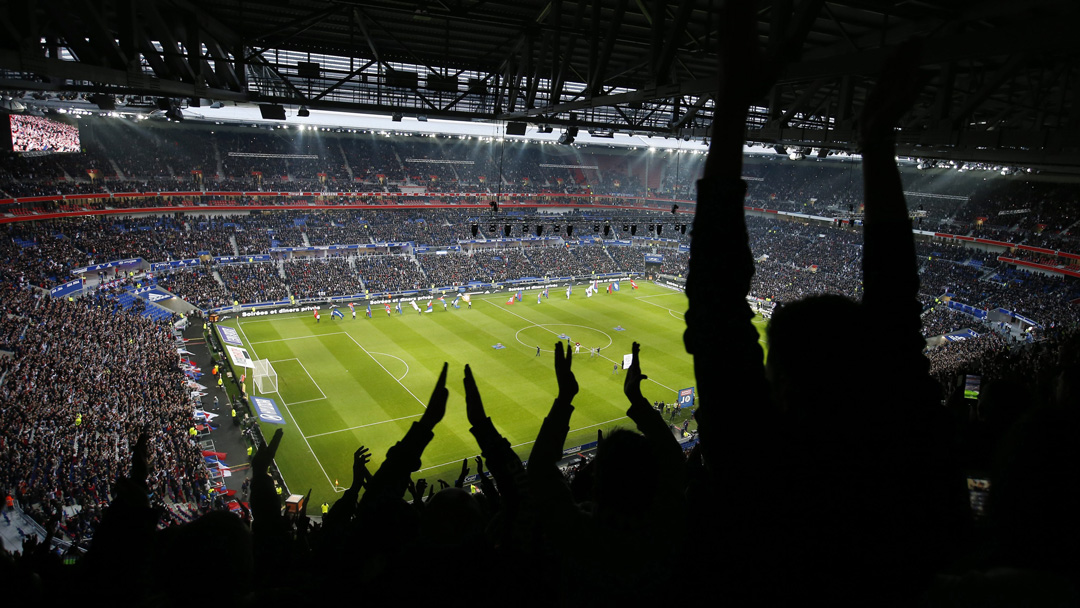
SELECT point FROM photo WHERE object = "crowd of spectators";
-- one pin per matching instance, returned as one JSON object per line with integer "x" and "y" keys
{"x": 319, "y": 277}
{"x": 197, "y": 286}
{"x": 506, "y": 264}
{"x": 81, "y": 384}
{"x": 829, "y": 474}
{"x": 258, "y": 282}
{"x": 37, "y": 133}
{"x": 452, "y": 269}
{"x": 390, "y": 273}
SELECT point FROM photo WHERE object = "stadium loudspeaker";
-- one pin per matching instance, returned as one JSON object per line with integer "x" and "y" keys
{"x": 539, "y": 229}
{"x": 569, "y": 229}
{"x": 506, "y": 230}
{"x": 683, "y": 228}
{"x": 272, "y": 111}
{"x": 607, "y": 229}
{"x": 104, "y": 102}
{"x": 633, "y": 230}
{"x": 659, "y": 228}
{"x": 515, "y": 128}
{"x": 401, "y": 79}
{"x": 475, "y": 229}
{"x": 308, "y": 69}
{"x": 303, "y": 112}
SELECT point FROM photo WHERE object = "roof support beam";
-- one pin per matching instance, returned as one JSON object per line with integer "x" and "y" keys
{"x": 671, "y": 44}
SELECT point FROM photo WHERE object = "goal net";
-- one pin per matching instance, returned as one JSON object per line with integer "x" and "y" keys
{"x": 265, "y": 376}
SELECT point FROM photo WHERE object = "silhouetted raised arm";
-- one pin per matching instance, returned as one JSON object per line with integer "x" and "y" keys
{"x": 719, "y": 333}
{"x": 404, "y": 457}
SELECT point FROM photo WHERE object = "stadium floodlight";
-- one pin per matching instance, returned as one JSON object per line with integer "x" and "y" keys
{"x": 265, "y": 377}
{"x": 596, "y": 228}
{"x": 492, "y": 228}
{"x": 625, "y": 227}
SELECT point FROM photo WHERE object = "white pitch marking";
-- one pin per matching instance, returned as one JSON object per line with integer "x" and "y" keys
{"x": 366, "y": 351}
{"x": 298, "y": 429}
{"x": 353, "y": 428}
{"x": 546, "y": 329}
{"x": 333, "y": 333}
{"x": 399, "y": 359}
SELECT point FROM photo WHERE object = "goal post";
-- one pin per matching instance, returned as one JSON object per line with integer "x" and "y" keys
{"x": 265, "y": 377}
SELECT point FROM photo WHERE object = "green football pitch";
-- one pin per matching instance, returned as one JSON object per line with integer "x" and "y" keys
{"x": 343, "y": 383}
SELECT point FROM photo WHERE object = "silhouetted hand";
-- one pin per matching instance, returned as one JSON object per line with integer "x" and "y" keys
{"x": 436, "y": 407}
{"x": 568, "y": 386}
{"x": 260, "y": 462}
{"x": 360, "y": 473}
{"x": 895, "y": 92}
{"x": 464, "y": 473}
{"x": 480, "y": 465}
{"x": 632, "y": 383}
{"x": 442, "y": 485}
{"x": 745, "y": 73}
{"x": 140, "y": 460}
{"x": 418, "y": 490}
{"x": 474, "y": 407}
{"x": 411, "y": 486}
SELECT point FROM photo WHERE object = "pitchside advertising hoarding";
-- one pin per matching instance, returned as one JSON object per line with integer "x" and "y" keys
{"x": 267, "y": 410}
{"x": 229, "y": 335}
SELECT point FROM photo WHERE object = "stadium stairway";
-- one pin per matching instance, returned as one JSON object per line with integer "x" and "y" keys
{"x": 345, "y": 162}
{"x": 217, "y": 157}
{"x": 116, "y": 168}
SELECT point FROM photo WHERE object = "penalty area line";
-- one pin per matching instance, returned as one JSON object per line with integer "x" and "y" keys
{"x": 298, "y": 429}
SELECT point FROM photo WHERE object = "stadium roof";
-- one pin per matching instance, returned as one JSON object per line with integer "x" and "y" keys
{"x": 1003, "y": 76}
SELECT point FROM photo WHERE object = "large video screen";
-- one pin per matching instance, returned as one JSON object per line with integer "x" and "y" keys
{"x": 40, "y": 134}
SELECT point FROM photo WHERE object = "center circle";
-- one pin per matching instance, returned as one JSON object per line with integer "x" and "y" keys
{"x": 543, "y": 333}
